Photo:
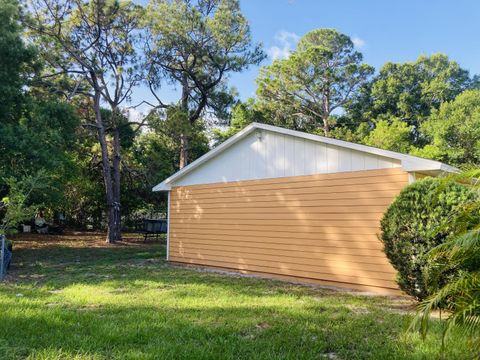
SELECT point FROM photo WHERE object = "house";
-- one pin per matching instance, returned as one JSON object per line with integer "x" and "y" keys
{"x": 290, "y": 205}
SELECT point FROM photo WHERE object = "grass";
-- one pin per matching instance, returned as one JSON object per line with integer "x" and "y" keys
{"x": 73, "y": 297}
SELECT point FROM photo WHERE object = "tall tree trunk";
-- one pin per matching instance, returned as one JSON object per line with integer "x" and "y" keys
{"x": 107, "y": 175}
{"x": 326, "y": 114}
{"x": 183, "y": 151}
{"x": 115, "y": 230}
{"x": 184, "y": 141}
{"x": 326, "y": 127}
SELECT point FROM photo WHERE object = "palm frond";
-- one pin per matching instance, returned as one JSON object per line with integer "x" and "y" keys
{"x": 456, "y": 299}
{"x": 457, "y": 247}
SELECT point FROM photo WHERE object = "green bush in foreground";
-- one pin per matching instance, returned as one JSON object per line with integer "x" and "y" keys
{"x": 459, "y": 256}
{"x": 416, "y": 222}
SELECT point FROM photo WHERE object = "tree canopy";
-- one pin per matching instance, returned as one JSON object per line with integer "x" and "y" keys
{"x": 453, "y": 131}
{"x": 37, "y": 134}
{"x": 319, "y": 77}
{"x": 94, "y": 43}
{"x": 195, "y": 45}
{"x": 408, "y": 93}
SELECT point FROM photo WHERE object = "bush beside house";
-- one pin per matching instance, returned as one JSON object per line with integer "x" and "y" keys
{"x": 416, "y": 222}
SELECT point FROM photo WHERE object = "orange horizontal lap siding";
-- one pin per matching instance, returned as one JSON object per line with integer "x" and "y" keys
{"x": 335, "y": 233}
{"x": 321, "y": 223}
{"x": 283, "y": 209}
{"x": 319, "y": 227}
{"x": 238, "y": 198}
{"x": 296, "y": 179}
{"x": 297, "y": 189}
{"x": 301, "y": 184}
{"x": 373, "y": 260}
{"x": 296, "y": 264}
{"x": 192, "y": 205}
{"x": 281, "y": 244}
{"x": 287, "y": 228}
{"x": 341, "y": 263}
{"x": 283, "y": 270}
{"x": 285, "y": 237}
{"x": 282, "y": 216}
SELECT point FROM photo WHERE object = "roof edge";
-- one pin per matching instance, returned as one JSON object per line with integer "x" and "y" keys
{"x": 162, "y": 187}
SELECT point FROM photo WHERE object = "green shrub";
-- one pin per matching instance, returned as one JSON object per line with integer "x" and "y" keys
{"x": 459, "y": 256}
{"x": 416, "y": 222}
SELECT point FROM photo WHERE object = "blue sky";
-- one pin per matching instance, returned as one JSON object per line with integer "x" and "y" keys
{"x": 388, "y": 30}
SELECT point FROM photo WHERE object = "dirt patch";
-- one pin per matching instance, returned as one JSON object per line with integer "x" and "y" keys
{"x": 358, "y": 310}
{"x": 401, "y": 306}
{"x": 74, "y": 239}
{"x": 330, "y": 355}
{"x": 262, "y": 326}
{"x": 89, "y": 307}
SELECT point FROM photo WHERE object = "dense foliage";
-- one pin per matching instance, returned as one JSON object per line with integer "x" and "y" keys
{"x": 453, "y": 131}
{"x": 16, "y": 206}
{"x": 459, "y": 257}
{"x": 322, "y": 75}
{"x": 37, "y": 133}
{"x": 416, "y": 222}
{"x": 403, "y": 96}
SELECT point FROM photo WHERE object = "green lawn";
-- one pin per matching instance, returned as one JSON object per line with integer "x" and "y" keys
{"x": 77, "y": 299}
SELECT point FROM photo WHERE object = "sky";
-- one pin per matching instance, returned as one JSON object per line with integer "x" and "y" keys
{"x": 388, "y": 30}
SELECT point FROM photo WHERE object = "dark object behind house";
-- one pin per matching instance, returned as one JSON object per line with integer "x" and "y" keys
{"x": 52, "y": 229}
{"x": 7, "y": 257}
{"x": 153, "y": 228}
{"x": 55, "y": 229}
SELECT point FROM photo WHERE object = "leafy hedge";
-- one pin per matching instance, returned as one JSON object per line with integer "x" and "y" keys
{"x": 416, "y": 222}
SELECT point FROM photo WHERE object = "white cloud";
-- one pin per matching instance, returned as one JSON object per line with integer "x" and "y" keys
{"x": 285, "y": 41}
{"x": 276, "y": 52}
{"x": 358, "y": 42}
{"x": 286, "y": 37}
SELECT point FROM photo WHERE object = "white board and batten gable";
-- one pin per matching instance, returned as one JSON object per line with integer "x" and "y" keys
{"x": 263, "y": 151}
{"x": 267, "y": 154}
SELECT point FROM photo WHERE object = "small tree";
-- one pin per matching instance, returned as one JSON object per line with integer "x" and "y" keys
{"x": 416, "y": 222}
